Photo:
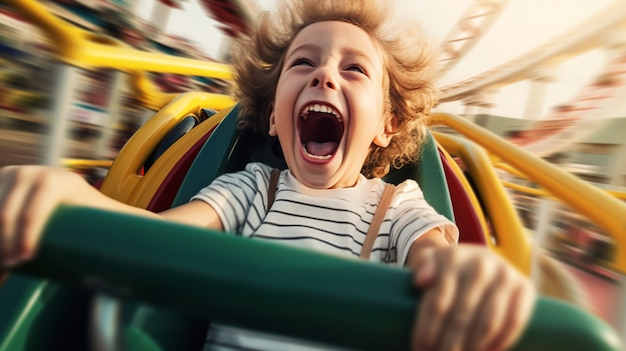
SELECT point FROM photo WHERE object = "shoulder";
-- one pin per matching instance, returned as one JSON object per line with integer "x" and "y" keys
{"x": 408, "y": 189}
{"x": 256, "y": 172}
{"x": 258, "y": 168}
{"x": 253, "y": 177}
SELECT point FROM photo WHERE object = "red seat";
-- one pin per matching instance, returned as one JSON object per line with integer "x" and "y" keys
{"x": 465, "y": 215}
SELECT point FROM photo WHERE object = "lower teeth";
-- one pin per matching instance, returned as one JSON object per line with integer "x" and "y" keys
{"x": 317, "y": 157}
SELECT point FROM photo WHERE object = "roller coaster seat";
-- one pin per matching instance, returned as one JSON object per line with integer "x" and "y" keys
{"x": 32, "y": 304}
{"x": 224, "y": 153}
{"x": 228, "y": 149}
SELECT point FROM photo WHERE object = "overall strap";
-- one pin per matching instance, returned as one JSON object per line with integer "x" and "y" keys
{"x": 271, "y": 191}
{"x": 379, "y": 216}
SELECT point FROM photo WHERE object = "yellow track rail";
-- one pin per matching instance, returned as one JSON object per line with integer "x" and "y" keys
{"x": 510, "y": 238}
{"x": 605, "y": 210}
{"x": 537, "y": 191}
{"x": 87, "y": 50}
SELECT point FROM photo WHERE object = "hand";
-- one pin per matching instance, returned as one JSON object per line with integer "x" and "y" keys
{"x": 28, "y": 195}
{"x": 473, "y": 300}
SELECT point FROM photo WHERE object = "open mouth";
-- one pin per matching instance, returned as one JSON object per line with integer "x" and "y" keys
{"x": 321, "y": 130}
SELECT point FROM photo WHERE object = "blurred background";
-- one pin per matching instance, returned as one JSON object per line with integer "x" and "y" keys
{"x": 549, "y": 76}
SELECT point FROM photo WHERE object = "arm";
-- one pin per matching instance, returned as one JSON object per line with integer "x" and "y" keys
{"x": 431, "y": 239}
{"x": 29, "y": 195}
{"x": 197, "y": 213}
{"x": 473, "y": 299}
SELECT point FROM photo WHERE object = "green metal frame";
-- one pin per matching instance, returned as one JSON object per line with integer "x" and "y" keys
{"x": 198, "y": 275}
{"x": 265, "y": 286}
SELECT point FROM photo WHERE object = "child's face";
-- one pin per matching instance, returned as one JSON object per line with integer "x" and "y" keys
{"x": 329, "y": 104}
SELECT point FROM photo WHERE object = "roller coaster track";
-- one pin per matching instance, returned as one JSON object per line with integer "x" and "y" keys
{"x": 579, "y": 117}
{"x": 588, "y": 35}
{"x": 469, "y": 29}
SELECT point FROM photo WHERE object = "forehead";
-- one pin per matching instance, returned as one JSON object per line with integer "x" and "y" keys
{"x": 337, "y": 36}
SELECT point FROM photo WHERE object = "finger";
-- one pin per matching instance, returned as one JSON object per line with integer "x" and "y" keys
{"x": 516, "y": 318}
{"x": 474, "y": 282}
{"x": 436, "y": 303}
{"x": 30, "y": 223}
{"x": 45, "y": 193}
{"x": 492, "y": 312}
{"x": 24, "y": 209}
{"x": 11, "y": 205}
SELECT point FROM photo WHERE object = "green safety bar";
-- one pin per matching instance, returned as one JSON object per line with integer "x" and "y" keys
{"x": 265, "y": 286}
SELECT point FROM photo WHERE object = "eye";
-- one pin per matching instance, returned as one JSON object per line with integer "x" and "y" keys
{"x": 355, "y": 67}
{"x": 302, "y": 62}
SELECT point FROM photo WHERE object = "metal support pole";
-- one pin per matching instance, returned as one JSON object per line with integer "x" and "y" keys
{"x": 547, "y": 209}
{"x": 536, "y": 95}
{"x": 114, "y": 115}
{"x": 55, "y": 144}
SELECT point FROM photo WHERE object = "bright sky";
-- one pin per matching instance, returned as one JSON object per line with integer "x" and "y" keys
{"x": 523, "y": 25}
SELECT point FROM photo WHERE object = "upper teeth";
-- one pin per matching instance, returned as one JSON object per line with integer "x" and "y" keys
{"x": 322, "y": 109}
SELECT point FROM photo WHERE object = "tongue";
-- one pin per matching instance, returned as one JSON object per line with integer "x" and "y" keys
{"x": 321, "y": 149}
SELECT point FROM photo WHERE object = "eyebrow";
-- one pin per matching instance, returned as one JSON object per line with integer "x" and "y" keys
{"x": 350, "y": 51}
{"x": 305, "y": 47}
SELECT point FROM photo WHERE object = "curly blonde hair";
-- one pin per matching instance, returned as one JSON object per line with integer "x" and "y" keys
{"x": 408, "y": 60}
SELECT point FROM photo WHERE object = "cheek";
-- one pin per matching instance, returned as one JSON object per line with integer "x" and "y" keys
{"x": 283, "y": 104}
{"x": 283, "y": 125}
{"x": 285, "y": 85}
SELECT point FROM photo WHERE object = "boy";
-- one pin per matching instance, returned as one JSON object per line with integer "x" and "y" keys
{"x": 347, "y": 101}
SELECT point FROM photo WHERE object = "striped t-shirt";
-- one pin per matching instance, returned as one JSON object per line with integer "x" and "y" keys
{"x": 330, "y": 220}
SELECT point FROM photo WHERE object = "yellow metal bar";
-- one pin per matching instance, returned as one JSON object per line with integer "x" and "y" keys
{"x": 526, "y": 190}
{"x": 505, "y": 167}
{"x": 151, "y": 98}
{"x": 154, "y": 179}
{"x": 123, "y": 176}
{"x": 602, "y": 208}
{"x": 512, "y": 242}
{"x": 88, "y": 50}
{"x": 86, "y": 163}
{"x": 62, "y": 33}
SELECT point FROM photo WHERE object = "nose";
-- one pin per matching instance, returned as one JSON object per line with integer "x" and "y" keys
{"x": 323, "y": 77}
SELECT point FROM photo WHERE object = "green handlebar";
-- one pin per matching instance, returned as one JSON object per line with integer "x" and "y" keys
{"x": 265, "y": 286}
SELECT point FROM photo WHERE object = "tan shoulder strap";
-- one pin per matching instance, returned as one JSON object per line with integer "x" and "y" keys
{"x": 271, "y": 190}
{"x": 379, "y": 216}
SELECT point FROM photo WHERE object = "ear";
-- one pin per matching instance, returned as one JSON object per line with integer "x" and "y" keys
{"x": 386, "y": 132}
{"x": 272, "y": 122}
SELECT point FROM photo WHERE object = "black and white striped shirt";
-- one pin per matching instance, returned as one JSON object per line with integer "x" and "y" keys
{"x": 328, "y": 220}
{"x": 331, "y": 220}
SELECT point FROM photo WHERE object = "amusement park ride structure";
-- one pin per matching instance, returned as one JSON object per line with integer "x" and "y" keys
{"x": 467, "y": 32}
{"x": 572, "y": 120}
{"x": 77, "y": 49}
